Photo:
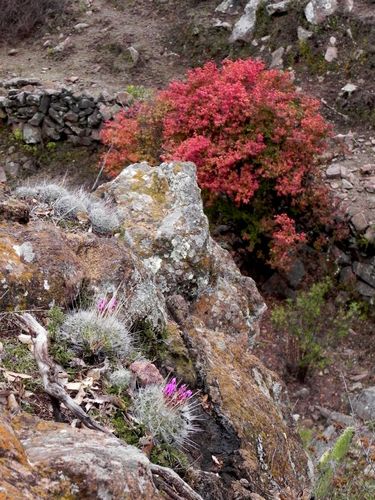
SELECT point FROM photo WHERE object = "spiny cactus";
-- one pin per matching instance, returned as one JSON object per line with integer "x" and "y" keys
{"x": 329, "y": 462}
{"x": 103, "y": 218}
{"x": 91, "y": 333}
{"x": 66, "y": 205}
{"x": 120, "y": 378}
{"x": 169, "y": 420}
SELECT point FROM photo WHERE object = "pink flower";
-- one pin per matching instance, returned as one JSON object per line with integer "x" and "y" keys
{"x": 176, "y": 395}
{"x": 104, "y": 305}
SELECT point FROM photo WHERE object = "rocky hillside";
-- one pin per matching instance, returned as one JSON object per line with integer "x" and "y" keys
{"x": 139, "y": 356}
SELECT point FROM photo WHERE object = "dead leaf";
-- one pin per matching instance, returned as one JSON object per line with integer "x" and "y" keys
{"x": 12, "y": 376}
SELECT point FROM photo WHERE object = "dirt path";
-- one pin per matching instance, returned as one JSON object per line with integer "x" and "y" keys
{"x": 98, "y": 53}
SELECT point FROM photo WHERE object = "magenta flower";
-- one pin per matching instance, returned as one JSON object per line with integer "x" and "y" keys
{"x": 176, "y": 395}
{"x": 104, "y": 305}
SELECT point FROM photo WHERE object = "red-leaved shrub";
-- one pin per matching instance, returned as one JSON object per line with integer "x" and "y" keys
{"x": 254, "y": 138}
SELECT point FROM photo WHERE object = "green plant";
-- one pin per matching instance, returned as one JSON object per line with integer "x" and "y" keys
{"x": 329, "y": 462}
{"x": 51, "y": 146}
{"x": 310, "y": 322}
{"x": 152, "y": 341}
{"x": 168, "y": 456}
{"x": 138, "y": 92}
{"x": 17, "y": 134}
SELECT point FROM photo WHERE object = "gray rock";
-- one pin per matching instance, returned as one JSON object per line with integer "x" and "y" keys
{"x": 20, "y": 82}
{"x": 346, "y": 184}
{"x": 316, "y": 11}
{"x": 296, "y": 273}
{"x": 366, "y": 272}
{"x": 276, "y": 8}
{"x": 134, "y": 54}
{"x": 81, "y": 26}
{"x": 333, "y": 171}
{"x": 228, "y": 7}
{"x": 277, "y": 58}
{"x": 365, "y": 290}
{"x": 331, "y": 54}
{"x": 3, "y": 177}
{"x": 31, "y": 134}
{"x": 166, "y": 226}
{"x": 360, "y": 222}
{"x": 370, "y": 234}
{"x": 244, "y": 27}
{"x": 364, "y": 404}
{"x": 37, "y": 119}
{"x": 303, "y": 34}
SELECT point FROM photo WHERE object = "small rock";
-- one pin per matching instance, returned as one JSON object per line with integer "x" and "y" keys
{"x": 316, "y": 11}
{"x": 12, "y": 52}
{"x": 356, "y": 387}
{"x": 227, "y": 7}
{"x": 348, "y": 89}
{"x": 329, "y": 432}
{"x": 3, "y": 177}
{"x": 366, "y": 272}
{"x": 346, "y": 184}
{"x": 134, "y": 54}
{"x": 277, "y": 58}
{"x": 303, "y": 34}
{"x": 364, "y": 404}
{"x": 146, "y": 373}
{"x": 360, "y": 222}
{"x": 278, "y": 7}
{"x": 81, "y": 26}
{"x": 333, "y": 172}
{"x": 244, "y": 27}
{"x": 331, "y": 54}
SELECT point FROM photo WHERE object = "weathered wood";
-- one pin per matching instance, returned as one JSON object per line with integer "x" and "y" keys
{"x": 50, "y": 371}
{"x": 173, "y": 480}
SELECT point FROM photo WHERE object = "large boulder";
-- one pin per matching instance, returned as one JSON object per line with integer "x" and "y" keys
{"x": 165, "y": 226}
{"x": 42, "y": 265}
{"x": 217, "y": 311}
{"x": 73, "y": 463}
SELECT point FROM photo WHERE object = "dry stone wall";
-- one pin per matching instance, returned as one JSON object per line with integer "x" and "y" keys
{"x": 56, "y": 113}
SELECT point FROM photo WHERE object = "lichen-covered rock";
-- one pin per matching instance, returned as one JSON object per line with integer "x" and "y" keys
{"x": 99, "y": 465}
{"x": 164, "y": 224}
{"x": 217, "y": 311}
{"x": 40, "y": 459}
{"x": 37, "y": 266}
{"x": 249, "y": 399}
{"x": 18, "y": 478}
{"x": 42, "y": 265}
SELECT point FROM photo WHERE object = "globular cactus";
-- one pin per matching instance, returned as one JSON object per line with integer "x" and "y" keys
{"x": 93, "y": 334}
{"x": 169, "y": 416}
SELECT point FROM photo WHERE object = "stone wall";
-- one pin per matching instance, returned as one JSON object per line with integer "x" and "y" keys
{"x": 56, "y": 113}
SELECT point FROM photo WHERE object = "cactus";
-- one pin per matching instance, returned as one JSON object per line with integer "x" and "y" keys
{"x": 168, "y": 422}
{"x": 329, "y": 462}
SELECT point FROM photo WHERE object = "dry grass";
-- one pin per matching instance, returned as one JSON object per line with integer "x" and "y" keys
{"x": 19, "y": 18}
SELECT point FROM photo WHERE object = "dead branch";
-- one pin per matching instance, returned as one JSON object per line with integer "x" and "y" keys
{"x": 170, "y": 480}
{"x": 50, "y": 371}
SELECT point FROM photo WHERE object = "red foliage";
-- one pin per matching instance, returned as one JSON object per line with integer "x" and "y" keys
{"x": 252, "y": 136}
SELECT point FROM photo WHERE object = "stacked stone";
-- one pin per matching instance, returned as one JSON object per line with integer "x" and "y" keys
{"x": 53, "y": 114}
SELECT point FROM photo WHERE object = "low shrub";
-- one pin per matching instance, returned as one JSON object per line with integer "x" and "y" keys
{"x": 19, "y": 18}
{"x": 255, "y": 140}
{"x": 310, "y": 322}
